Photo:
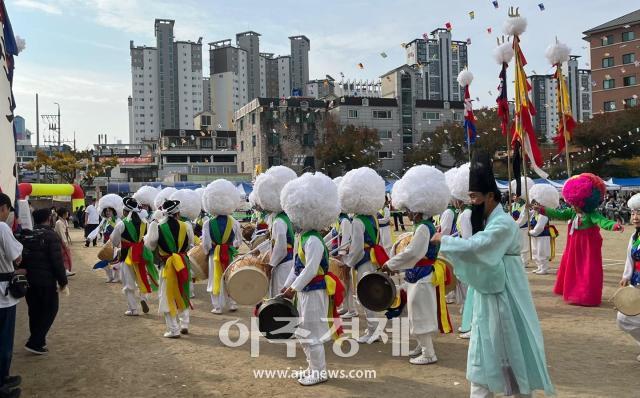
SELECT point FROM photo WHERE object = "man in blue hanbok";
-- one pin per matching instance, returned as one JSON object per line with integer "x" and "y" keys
{"x": 506, "y": 352}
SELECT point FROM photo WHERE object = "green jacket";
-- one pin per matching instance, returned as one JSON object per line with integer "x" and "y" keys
{"x": 588, "y": 219}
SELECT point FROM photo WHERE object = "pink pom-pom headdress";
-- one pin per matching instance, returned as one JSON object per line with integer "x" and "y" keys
{"x": 585, "y": 191}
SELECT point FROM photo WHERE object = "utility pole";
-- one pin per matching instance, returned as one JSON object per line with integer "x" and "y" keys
{"x": 37, "y": 136}
{"x": 59, "y": 140}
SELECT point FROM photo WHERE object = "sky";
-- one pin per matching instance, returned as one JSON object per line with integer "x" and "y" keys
{"x": 77, "y": 51}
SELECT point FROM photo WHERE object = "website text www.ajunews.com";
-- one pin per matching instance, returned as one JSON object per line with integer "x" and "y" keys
{"x": 329, "y": 373}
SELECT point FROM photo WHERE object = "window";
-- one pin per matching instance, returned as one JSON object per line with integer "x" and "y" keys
{"x": 241, "y": 146}
{"x": 253, "y": 118}
{"x": 253, "y": 141}
{"x": 221, "y": 143}
{"x": 430, "y": 116}
{"x": 274, "y": 161}
{"x": 176, "y": 159}
{"x": 457, "y": 117}
{"x": 609, "y": 106}
{"x": 242, "y": 167}
{"x": 385, "y": 155}
{"x": 241, "y": 124}
{"x": 631, "y": 102}
{"x": 382, "y": 114}
{"x": 274, "y": 139}
{"x": 385, "y": 134}
{"x": 606, "y": 40}
{"x": 629, "y": 80}
{"x": 308, "y": 139}
{"x": 627, "y": 36}
{"x": 224, "y": 158}
{"x": 628, "y": 58}
{"x": 609, "y": 83}
{"x": 608, "y": 62}
{"x": 205, "y": 143}
{"x": 352, "y": 114}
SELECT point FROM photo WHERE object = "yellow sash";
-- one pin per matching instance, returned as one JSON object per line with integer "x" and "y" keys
{"x": 172, "y": 266}
{"x": 218, "y": 269}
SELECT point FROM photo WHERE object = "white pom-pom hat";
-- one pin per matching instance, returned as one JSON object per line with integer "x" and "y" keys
{"x": 530, "y": 183}
{"x": 268, "y": 186}
{"x": 145, "y": 195}
{"x": 515, "y": 26}
{"x": 459, "y": 184}
{"x": 545, "y": 194}
{"x": 311, "y": 201}
{"x": 112, "y": 201}
{"x": 465, "y": 77}
{"x": 557, "y": 53}
{"x": 190, "y": 203}
{"x": 634, "y": 202}
{"x": 423, "y": 189}
{"x": 503, "y": 53}
{"x": 163, "y": 195}
{"x": 221, "y": 198}
{"x": 361, "y": 191}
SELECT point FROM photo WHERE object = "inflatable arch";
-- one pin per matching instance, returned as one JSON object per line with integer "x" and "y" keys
{"x": 77, "y": 194}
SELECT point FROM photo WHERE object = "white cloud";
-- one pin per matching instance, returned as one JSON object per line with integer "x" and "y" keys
{"x": 39, "y": 6}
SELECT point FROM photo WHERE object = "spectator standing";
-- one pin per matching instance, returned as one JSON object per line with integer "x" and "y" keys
{"x": 91, "y": 221}
{"x": 10, "y": 252}
{"x": 397, "y": 216}
{"x": 62, "y": 229}
{"x": 45, "y": 274}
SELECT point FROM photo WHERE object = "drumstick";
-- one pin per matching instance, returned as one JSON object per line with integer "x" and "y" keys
{"x": 334, "y": 251}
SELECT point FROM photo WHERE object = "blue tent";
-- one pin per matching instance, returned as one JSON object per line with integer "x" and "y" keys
{"x": 186, "y": 185}
{"x": 389, "y": 186}
{"x": 627, "y": 184}
{"x": 118, "y": 187}
{"x": 245, "y": 188}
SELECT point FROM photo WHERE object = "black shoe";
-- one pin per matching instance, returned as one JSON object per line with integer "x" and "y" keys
{"x": 184, "y": 331}
{"x": 12, "y": 381}
{"x": 6, "y": 392}
{"x": 36, "y": 350}
{"x": 145, "y": 306}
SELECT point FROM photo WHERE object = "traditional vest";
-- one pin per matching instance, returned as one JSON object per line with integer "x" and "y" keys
{"x": 109, "y": 226}
{"x": 517, "y": 209}
{"x": 290, "y": 236}
{"x": 380, "y": 216}
{"x": 135, "y": 255}
{"x": 635, "y": 256}
{"x": 318, "y": 282}
{"x": 424, "y": 266}
{"x": 534, "y": 221}
{"x": 336, "y": 235}
{"x": 172, "y": 237}
{"x": 372, "y": 250}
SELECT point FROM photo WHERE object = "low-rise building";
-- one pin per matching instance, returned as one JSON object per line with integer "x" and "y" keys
{"x": 274, "y": 131}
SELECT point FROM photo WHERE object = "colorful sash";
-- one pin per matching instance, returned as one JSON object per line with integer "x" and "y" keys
{"x": 175, "y": 271}
{"x": 140, "y": 258}
{"x": 222, "y": 251}
{"x": 323, "y": 280}
{"x": 441, "y": 277}
{"x": 290, "y": 236}
{"x": 635, "y": 256}
{"x": 373, "y": 251}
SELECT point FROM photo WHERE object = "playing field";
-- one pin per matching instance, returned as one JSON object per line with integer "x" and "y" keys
{"x": 95, "y": 351}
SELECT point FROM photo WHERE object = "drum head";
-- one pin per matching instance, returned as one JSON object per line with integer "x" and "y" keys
{"x": 247, "y": 286}
{"x": 376, "y": 291}
{"x": 257, "y": 241}
{"x": 277, "y": 315}
{"x": 627, "y": 300}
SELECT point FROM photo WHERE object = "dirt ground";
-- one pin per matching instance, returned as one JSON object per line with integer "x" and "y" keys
{"x": 95, "y": 351}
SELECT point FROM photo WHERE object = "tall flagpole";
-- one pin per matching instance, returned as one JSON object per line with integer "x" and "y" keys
{"x": 564, "y": 122}
{"x": 516, "y": 44}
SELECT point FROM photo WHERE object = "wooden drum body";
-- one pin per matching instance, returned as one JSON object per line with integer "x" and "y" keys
{"x": 246, "y": 280}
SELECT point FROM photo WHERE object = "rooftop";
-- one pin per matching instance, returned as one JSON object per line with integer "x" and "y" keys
{"x": 628, "y": 19}
{"x": 373, "y": 101}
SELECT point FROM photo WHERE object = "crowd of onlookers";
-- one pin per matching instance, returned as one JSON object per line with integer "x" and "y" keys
{"x": 34, "y": 264}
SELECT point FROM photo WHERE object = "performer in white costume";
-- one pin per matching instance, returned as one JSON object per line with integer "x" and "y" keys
{"x": 267, "y": 190}
{"x": 547, "y": 196}
{"x": 521, "y": 216}
{"x": 631, "y": 275}
{"x": 311, "y": 202}
{"x": 423, "y": 192}
{"x": 361, "y": 193}
{"x": 221, "y": 237}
